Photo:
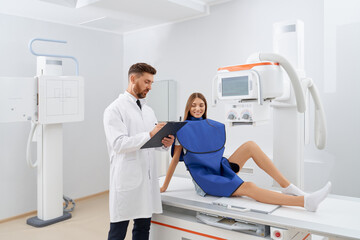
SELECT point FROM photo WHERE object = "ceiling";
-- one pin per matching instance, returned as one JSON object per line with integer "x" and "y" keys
{"x": 117, "y": 16}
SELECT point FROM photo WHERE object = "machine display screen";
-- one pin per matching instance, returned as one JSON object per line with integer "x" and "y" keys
{"x": 235, "y": 86}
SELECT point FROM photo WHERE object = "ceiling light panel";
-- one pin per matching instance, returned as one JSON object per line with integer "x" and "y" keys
{"x": 71, "y": 3}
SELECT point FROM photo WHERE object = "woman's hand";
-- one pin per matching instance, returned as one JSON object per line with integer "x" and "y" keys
{"x": 163, "y": 189}
{"x": 171, "y": 169}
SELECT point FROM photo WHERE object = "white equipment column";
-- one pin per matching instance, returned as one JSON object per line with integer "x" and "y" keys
{"x": 50, "y": 172}
{"x": 288, "y": 137}
{"x": 49, "y": 138}
{"x": 288, "y": 143}
{"x": 60, "y": 100}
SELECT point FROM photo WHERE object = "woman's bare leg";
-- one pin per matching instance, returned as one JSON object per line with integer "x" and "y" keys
{"x": 251, "y": 150}
{"x": 249, "y": 189}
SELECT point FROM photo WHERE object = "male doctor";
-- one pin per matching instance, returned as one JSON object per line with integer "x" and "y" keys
{"x": 134, "y": 189}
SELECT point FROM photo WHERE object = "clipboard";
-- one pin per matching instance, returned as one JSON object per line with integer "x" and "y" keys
{"x": 170, "y": 128}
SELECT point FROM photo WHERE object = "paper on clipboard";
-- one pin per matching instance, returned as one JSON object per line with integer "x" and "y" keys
{"x": 169, "y": 129}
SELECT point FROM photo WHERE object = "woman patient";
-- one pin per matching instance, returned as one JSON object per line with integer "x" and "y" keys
{"x": 200, "y": 144}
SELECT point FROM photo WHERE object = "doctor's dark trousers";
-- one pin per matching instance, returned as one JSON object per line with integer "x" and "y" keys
{"x": 140, "y": 231}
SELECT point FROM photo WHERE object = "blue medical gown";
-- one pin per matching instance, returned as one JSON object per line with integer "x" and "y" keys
{"x": 204, "y": 142}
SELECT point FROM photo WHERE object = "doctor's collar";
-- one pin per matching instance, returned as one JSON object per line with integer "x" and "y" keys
{"x": 142, "y": 100}
{"x": 130, "y": 95}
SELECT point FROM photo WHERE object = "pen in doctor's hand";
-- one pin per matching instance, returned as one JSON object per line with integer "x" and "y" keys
{"x": 156, "y": 129}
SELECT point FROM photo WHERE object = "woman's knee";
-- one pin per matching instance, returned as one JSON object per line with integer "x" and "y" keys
{"x": 251, "y": 144}
{"x": 245, "y": 189}
{"x": 248, "y": 185}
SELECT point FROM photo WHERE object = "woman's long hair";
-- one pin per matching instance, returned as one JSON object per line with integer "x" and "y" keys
{"x": 191, "y": 99}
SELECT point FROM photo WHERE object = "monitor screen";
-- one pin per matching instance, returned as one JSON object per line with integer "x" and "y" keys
{"x": 235, "y": 86}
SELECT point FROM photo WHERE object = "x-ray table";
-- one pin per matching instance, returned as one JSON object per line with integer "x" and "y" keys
{"x": 338, "y": 217}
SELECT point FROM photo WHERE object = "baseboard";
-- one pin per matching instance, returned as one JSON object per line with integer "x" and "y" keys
{"x": 92, "y": 195}
{"x": 18, "y": 216}
{"x": 35, "y": 211}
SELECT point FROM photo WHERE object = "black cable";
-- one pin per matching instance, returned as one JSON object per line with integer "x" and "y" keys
{"x": 67, "y": 201}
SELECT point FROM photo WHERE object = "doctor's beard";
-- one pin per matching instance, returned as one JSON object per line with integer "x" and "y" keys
{"x": 138, "y": 93}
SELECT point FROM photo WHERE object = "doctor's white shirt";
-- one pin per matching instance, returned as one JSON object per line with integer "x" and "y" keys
{"x": 134, "y": 190}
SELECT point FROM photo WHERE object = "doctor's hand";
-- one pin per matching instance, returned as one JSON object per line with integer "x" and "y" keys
{"x": 156, "y": 129}
{"x": 168, "y": 141}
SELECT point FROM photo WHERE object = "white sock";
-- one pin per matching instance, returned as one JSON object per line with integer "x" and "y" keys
{"x": 293, "y": 190}
{"x": 312, "y": 201}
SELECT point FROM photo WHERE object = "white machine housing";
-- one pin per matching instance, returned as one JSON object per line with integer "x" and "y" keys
{"x": 18, "y": 99}
{"x": 247, "y": 90}
{"x": 250, "y": 81}
{"x": 249, "y": 112}
{"x": 61, "y": 99}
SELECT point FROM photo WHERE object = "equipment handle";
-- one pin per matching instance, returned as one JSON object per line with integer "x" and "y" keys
{"x": 214, "y": 92}
{"x": 28, "y": 147}
{"x": 52, "y": 55}
{"x": 258, "y": 80}
{"x": 294, "y": 78}
{"x": 320, "y": 120}
{"x": 238, "y": 209}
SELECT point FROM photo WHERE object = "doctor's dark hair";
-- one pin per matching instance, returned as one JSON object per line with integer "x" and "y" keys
{"x": 140, "y": 68}
{"x": 190, "y": 100}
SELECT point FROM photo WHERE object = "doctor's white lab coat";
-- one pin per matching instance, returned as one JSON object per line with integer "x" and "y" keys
{"x": 134, "y": 188}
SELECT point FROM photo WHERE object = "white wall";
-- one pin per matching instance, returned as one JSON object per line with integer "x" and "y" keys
{"x": 342, "y": 86}
{"x": 190, "y": 52}
{"x": 86, "y": 164}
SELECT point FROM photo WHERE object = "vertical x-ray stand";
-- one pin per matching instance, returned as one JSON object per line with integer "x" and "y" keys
{"x": 60, "y": 100}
